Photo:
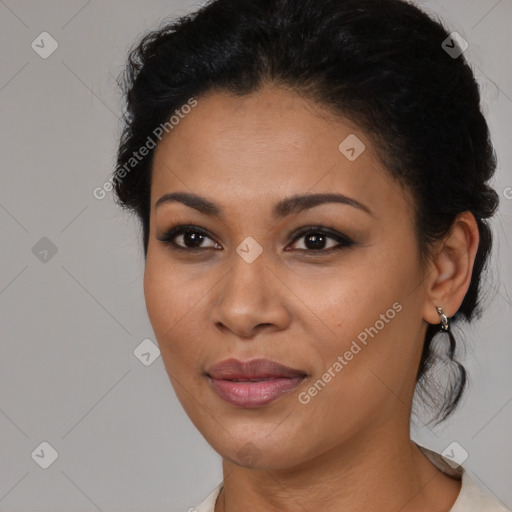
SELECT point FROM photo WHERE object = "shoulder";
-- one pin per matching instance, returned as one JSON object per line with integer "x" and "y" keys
{"x": 473, "y": 498}
{"x": 208, "y": 504}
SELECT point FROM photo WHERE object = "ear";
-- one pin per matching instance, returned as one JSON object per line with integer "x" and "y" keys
{"x": 450, "y": 274}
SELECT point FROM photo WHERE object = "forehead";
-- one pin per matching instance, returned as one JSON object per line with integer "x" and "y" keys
{"x": 269, "y": 144}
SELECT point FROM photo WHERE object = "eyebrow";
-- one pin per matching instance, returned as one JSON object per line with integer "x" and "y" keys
{"x": 283, "y": 208}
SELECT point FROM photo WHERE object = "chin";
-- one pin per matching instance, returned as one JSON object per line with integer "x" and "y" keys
{"x": 263, "y": 452}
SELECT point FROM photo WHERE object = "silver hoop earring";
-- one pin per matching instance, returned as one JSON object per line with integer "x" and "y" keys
{"x": 445, "y": 321}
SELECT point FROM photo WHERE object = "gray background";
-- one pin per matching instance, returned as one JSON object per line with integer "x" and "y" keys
{"x": 70, "y": 324}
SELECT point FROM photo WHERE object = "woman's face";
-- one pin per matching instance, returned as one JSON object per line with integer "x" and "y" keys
{"x": 341, "y": 302}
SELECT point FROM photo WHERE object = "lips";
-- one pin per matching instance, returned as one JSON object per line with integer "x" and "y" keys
{"x": 255, "y": 369}
{"x": 253, "y": 383}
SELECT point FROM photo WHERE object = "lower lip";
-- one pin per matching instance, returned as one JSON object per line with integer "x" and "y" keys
{"x": 254, "y": 394}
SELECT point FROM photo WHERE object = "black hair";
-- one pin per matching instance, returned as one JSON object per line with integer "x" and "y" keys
{"x": 382, "y": 64}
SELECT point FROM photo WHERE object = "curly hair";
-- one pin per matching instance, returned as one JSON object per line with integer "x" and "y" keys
{"x": 378, "y": 63}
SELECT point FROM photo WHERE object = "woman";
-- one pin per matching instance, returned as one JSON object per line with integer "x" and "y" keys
{"x": 311, "y": 177}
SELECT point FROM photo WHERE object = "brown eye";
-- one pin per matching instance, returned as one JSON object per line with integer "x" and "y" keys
{"x": 317, "y": 239}
{"x": 190, "y": 238}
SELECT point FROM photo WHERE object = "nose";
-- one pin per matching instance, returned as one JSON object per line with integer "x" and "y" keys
{"x": 250, "y": 299}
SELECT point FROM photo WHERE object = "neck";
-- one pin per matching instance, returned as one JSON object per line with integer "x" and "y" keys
{"x": 380, "y": 470}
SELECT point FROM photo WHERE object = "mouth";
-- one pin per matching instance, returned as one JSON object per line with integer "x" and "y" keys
{"x": 253, "y": 383}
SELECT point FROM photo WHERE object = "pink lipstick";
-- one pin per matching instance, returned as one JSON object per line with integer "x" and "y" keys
{"x": 253, "y": 383}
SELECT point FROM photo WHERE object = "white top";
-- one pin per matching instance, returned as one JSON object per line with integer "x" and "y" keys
{"x": 471, "y": 498}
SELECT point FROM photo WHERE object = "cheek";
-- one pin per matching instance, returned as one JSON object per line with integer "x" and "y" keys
{"x": 158, "y": 295}
{"x": 175, "y": 306}
{"x": 166, "y": 300}
{"x": 365, "y": 339}
{"x": 168, "y": 291}
{"x": 343, "y": 301}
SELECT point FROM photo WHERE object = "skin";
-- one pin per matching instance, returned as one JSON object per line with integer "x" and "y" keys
{"x": 349, "y": 448}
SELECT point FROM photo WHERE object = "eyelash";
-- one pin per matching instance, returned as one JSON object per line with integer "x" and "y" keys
{"x": 343, "y": 241}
